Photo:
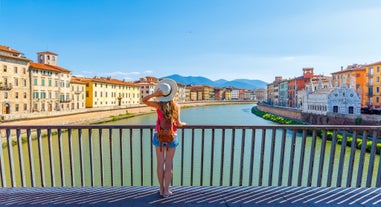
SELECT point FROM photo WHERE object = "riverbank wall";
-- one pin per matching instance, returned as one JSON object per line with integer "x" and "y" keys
{"x": 319, "y": 119}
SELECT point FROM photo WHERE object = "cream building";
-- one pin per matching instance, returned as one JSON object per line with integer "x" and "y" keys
{"x": 50, "y": 84}
{"x": 181, "y": 93}
{"x": 14, "y": 83}
{"x": 107, "y": 92}
{"x": 78, "y": 96}
{"x": 147, "y": 86}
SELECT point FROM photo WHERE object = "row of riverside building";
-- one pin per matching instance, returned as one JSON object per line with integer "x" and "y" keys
{"x": 350, "y": 90}
{"x": 33, "y": 89}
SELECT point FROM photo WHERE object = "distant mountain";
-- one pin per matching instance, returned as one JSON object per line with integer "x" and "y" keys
{"x": 238, "y": 83}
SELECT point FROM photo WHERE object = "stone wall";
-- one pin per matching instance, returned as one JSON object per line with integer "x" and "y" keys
{"x": 290, "y": 113}
{"x": 329, "y": 119}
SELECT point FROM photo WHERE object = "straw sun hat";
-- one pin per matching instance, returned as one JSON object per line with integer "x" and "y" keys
{"x": 169, "y": 89}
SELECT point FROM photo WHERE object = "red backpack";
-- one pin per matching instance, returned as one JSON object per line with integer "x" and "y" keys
{"x": 165, "y": 132}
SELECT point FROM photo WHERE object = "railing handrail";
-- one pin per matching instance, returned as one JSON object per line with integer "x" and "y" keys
{"x": 118, "y": 126}
{"x": 291, "y": 155}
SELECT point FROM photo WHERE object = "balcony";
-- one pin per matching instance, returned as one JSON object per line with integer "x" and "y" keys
{"x": 6, "y": 87}
{"x": 294, "y": 165}
{"x": 77, "y": 91}
{"x": 65, "y": 101}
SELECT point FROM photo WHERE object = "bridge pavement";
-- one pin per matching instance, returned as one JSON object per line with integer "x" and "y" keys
{"x": 190, "y": 196}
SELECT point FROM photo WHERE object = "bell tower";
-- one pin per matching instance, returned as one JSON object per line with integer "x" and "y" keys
{"x": 47, "y": 58}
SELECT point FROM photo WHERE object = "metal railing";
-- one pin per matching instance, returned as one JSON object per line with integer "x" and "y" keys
{"x": 102, "y": 155}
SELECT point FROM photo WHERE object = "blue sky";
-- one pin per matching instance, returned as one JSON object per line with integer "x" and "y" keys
{"x": 217, "y": 39}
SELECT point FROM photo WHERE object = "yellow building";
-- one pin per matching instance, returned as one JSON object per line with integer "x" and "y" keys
{"x": 201, "y": 93}
{"x": 108, "y": 92}
{"x": 373, "y": 86}
{"x": 50, "y": 84}
{"x": 14, "y": 83}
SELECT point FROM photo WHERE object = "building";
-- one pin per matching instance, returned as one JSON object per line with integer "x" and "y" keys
{"x": 339, "y": 100}
{"x": 273, "y": 91}
{"x": 78, "y": 96}
{"x": 14, "y": 83}
{"x": 235, "y": 93}
{"x": 105, "y": 92}
{"x": 373, "y": 86}
{"x": 50, "y": 84}
{"x": 260, "y": 94}
{"x": 353, "y": 76}
{"x": 298, "y": 83}
{"x": 283, "y": 93}
{"x": 201, "y": 93}
{"x": 147, "y": 86}
{"x": 181, "y": 93}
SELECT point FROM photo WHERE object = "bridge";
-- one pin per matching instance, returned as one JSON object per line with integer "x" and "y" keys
{"x": 102, "y": 165}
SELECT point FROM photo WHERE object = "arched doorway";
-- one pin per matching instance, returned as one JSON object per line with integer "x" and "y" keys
{"x": 6, "y": 108}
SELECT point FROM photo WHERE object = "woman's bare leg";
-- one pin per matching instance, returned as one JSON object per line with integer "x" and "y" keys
{"x": 160, "y": 168}
{"x": 168, "y": 171}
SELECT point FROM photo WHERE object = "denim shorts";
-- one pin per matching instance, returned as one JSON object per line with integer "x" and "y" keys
{"x": 173, "y": 144}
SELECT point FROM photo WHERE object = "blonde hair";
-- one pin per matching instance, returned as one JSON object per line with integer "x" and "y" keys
{"x": 169, "y": 110}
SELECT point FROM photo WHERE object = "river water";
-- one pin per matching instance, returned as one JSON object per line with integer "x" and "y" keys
{"x": 236, "y": 114}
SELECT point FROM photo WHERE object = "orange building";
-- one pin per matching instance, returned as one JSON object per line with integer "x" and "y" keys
{"x": 353, "y": 76}
{"x": 298, "y": 83}
{"x": 373, "y": 86}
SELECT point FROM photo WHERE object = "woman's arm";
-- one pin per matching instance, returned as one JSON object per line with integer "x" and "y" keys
{"x": 179, "y": 123}
{"x": 146, "y": 99}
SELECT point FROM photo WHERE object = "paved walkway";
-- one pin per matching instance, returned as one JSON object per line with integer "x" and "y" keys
{"x": 190, "y": 196}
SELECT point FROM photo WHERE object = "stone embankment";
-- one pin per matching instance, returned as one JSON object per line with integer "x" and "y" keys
{"x": 100, "y": 116}
{"x": 317, "y": 119}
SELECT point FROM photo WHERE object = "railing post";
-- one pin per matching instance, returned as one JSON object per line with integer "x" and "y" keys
{"x": 362, "y": 158}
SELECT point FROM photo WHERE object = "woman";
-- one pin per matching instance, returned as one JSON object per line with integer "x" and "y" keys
{"x": 166, "y": 108}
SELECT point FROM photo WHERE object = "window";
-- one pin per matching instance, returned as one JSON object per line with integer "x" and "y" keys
{"x": 335, "y": 109}
{"x": 17, "y": 107}
{"x": 35, "y": 81}
{"x": 15, "y": 69}
{"x": 6, "y": 95}
{"x": 43, "y": 82}
{"x": 5, "y": 68}
{"x": 16, "y": 81}
{"x": 49, "y": 82}
{"x": 350, "y": 110}
{"x": 24, "y": 82}
{"x": 24, "y": 95}
{"x": 378, "y": 99}
{"x": 17, "y": 95}
{"x": 25, "y": 107}
{"x": 24, "y": 70}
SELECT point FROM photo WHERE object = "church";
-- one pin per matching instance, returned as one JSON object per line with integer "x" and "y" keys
{"x": 338, "y": 100}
